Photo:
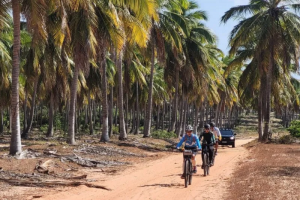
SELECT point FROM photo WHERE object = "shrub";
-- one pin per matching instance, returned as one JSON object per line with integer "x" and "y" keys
{"x": 115, "y": 130}
{"x": 162, "y": 134}
{"x": 294, "y": 129}
{"x": 286, "y": 139}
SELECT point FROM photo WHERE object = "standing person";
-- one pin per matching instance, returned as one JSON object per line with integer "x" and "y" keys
{"x": 217, "y": 134}
{"x": 208, "y": 139}
{"x": 191, "y": 143}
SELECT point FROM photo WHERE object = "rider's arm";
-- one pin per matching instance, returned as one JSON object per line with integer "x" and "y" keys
{"x": 218, "y": 133}
{"x": 198, "y": 143}
{"x": 214, "y": 139}
{"x": 180, "y": 143}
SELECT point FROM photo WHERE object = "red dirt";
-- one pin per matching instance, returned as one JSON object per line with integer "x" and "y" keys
{"x": 271, "y": 171}
{"x": 160, "y": 179}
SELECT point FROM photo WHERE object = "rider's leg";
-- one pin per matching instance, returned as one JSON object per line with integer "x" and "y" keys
{"x": 194, "y": 163}
{"x": 217, "y": 145}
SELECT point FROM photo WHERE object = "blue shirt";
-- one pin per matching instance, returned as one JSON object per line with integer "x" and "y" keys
{"x": 190, "y": 141}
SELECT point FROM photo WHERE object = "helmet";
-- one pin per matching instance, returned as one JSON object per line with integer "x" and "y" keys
{"x": 189, "y": 128}
{"x": 206, "y": 126}
{"x": 212, "y": 124}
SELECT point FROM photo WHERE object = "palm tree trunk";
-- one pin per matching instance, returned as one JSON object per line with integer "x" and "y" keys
{"x": 196, "y": 119}
{"x": 163, "y": 116}
{"x": 126, "y": 112}
{"x": 260, "y": 109}
{"x": 111, "y": 114}
{"x": 51, "y": 116}
{"x": 185, "y": 115}
{"x": 137, "y": 110}
{"x": 147, "y": 127}
{"x": 123, "y": 134}
{"x": 1, "y": 121}
{"x": 15, "y": 143}
{"x": 90, "y": 111}
{"x": 25, "y": 111}
{"x": 179, "y": 125}
{"x": 158, "y": 118}
{"x": 29, "y": 125}
{"x": 175, "y": 105}
{"x": 105, "y": 135}
{"x": 72, "y": 112}
{"x": 268, "y": 96}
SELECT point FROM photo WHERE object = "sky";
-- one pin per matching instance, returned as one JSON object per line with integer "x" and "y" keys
{"x": 215, "y": 9}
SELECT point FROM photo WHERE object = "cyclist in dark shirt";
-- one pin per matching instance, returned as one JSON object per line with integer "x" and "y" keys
{"x": 208, "y": 139}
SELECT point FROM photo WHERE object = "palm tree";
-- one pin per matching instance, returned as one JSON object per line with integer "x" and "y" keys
{"x": 274, "y": 31}
{"x": 82, "y": 19}
{"x": 15, "y": 144}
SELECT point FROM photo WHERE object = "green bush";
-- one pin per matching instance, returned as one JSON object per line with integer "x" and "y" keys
{"x": 294, "y": 129}
{"x": 115, "y": 130}
{"x": 162, "y": 134}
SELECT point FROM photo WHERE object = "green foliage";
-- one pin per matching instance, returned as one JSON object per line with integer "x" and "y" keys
{"x": 162, "y": 134}
{"x": 58, "y": 121}
{"x": 44, "y": 128}
{"x": 115, "y": 130}
{"x": 294, "y": 129}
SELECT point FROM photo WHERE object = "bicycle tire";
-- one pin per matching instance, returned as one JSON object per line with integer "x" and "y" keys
{"x": 190, "y": 173}
{"x": 208, "y": 165}
{"x": 186, "y": 172}
{"x": 205, "y": 163}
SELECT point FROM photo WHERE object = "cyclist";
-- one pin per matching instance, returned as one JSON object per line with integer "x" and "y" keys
{"x": 217, "y": 134}
{"x": 209, "y": 138}
{"x": 191, "y": 143}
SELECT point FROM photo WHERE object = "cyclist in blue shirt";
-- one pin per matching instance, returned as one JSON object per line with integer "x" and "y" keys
{"x": 191, "y": 143}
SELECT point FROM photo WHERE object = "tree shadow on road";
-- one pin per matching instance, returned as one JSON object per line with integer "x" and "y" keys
{"x": 173, "y": 185}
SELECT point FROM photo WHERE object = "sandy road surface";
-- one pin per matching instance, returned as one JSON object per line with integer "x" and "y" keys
{"x": 160, "y": 179}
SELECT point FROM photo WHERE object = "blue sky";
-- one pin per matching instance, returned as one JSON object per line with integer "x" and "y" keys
{"x": 215, "y": 9}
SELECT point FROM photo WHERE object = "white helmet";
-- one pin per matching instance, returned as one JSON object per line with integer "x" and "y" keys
{"x": 189, "y": 128}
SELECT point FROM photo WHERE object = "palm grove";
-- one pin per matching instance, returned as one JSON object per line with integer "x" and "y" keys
{"x": 138, "y": 65}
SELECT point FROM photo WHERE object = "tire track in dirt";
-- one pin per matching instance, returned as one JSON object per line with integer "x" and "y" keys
{"x": 160, "y": 179}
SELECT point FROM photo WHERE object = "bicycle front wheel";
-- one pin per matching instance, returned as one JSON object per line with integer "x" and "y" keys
{"x": 190, "y": 172}
{"x": 205, "y": 163}
{"x": 186, "y": 173}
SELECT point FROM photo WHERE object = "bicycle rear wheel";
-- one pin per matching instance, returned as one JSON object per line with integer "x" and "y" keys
{"x": 205, "y": 164}
{"x": 186, "y": 172}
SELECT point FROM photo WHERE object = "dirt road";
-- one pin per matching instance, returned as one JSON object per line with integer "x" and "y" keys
{"x": 160, "y": 179}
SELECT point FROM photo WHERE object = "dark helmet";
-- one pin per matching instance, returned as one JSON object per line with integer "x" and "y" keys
{"x": 189, "y": 128}
{"x": 212, "y": 124}
{"x": 206, "y": 126}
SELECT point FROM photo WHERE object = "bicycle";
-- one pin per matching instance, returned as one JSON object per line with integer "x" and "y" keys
{"x": 206, "y": 161}
{"x": 188, "y": 167}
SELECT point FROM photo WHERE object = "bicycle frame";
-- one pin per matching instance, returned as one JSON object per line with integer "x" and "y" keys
{"x": 187, "y": 154}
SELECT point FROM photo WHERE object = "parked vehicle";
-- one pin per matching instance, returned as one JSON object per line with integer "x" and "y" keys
{"x": 228, "y": 137}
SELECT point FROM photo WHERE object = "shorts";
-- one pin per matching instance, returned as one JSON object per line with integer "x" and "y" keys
{"x": 194, "y": 149}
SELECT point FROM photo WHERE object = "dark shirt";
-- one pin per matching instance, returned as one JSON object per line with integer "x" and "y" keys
{"x": 208, "y": 137}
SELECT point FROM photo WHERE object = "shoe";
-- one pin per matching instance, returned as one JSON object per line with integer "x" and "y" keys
{"x": 195, "y": 170}
{"x": 211, "y": 164}
{"x": 216, "y": 153}
{"x": 202, "y": 166}
{"x": 183, "y": 176}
